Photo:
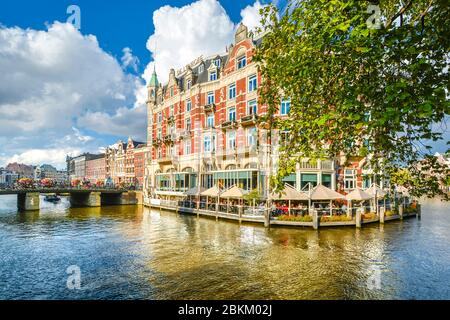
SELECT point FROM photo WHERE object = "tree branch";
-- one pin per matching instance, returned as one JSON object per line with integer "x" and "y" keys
{"x": 398, "y": 14}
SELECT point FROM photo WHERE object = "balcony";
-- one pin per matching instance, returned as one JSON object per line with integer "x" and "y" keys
{"x": 157, "y": 142}
{"x": 170, "y": 120}
{"x": 317, "y": 165}
{"x": 211, "y": 107}
{"x": 229, "y": 124}
{"x": 186, "y": 134}
{"x": 169, "y": 139}
{"x": 165, "y": 160}
{"x": 249, "y": 120}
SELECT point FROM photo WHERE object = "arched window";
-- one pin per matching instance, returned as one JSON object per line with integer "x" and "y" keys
{"x": 251, "y": 165}
{"x": 230, "y": 167}
{"x": 188, "y": 169}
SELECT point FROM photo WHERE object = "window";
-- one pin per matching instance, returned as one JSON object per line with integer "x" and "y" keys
{"x": 188, "y": 105}
{"x": 217, "y": 63}
{"x": 189, "y": 84}
{"x": 159, "y": 153}
{"x": 232, "y": 114}
{"x": 201, "y": 69}
{"x": 242, "y": 62}
{"x": 188, "y": 124}
{"x": 171, "y": 91}
{"x": 349, "y": 179}
{"x": 231, "y": 140}
{"x": 251, "y": 137}
{"x": 310, "y": 178}
{"x": 213, "y": 76}
{"x": 326, "y": 180}
{"x": 252, "y": 107}
{"x": 172, "y": 110}
{"x": 252, "y": 83}
{"x": 159, "y": 133}
{"x": 211, "y": 97}
{"x": 232, "y": 91}
{"x": 187, "y": 147}
{"x": 210, "y": 120}
{"x": 291, "y": 180}
{"x": 367, "y": 181}
{"x": 207, "y": 144}
{"x": 160, "y": 117}
{"x": 285, "y": 106}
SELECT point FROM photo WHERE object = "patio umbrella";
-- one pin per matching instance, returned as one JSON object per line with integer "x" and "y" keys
{"x": 289, "y": 193}
{"x": 212, "y": 192}
{"x": 323, "y": 193}
{"x": 233, "y": 193}
{"x": 356, "y": 195}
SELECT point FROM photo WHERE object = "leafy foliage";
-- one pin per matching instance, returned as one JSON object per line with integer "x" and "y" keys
{"x": 356, "y": 90}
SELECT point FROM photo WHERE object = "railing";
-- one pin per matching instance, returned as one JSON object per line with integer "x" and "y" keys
{"x": 157, "y": 142}
{"x": 211, "y": 107}
{"x": 249, "y": 120}
{"x": 229, "y": 124}
{"x": 170, "y": 138}
{"x": 317, "y": 165}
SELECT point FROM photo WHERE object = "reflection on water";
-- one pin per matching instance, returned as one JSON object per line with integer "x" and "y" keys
{"x": 130, "y": 252}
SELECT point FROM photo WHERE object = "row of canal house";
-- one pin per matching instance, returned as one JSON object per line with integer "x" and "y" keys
{"x": 202, "y": 127}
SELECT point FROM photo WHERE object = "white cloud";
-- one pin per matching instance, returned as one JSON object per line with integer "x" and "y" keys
{"x": 183, "y": 34}
{"x": 55, "y": 157}
{"x": 251, "y": 16}
{"x": 129, "y": 60}
{"x": 49, "y": 79}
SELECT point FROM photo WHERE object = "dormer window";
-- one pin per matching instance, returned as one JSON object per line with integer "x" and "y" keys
{"x": 188, "y": 105}
{"x": 189, "y": 84}
{"x": 213, "y": 76}
{"x": 242, "y": 62}
{"x": 201, "y": 68}
{"x": 171, "y": 91}
{"x": 217, "y": 63}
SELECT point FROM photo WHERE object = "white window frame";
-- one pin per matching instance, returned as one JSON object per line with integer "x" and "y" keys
{"x": 252, "y": 83}
{"x": 188, "y": 124}
{"x": 238, "y": 62}
{"x": 188, "y": 105}
{"x": 211, "y": 97}
{"x": 252, "y": 107}
{"x": 232, "y": 89}
{"x": 217, "y": 63}
{"x": 187, "y": 147}
{"x": 350, "y": 179}
{"x": 213, "y": 76}
{"x": 201, "y": 68}
{"x": 231, "y": 140}
{"x": 230, "y": 111}
{"x": 251, "y": 137}
{"x": 285, "y": 103}
{"x": 189, "y": 84}
{"x": 209, "y": 123}
{"x": 206, "y": 139}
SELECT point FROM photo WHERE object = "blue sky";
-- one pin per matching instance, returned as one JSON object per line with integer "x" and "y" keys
{"x": 67, "y": 91}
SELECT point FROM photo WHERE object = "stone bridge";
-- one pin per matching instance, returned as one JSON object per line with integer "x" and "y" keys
{"x": 29, "y": 200}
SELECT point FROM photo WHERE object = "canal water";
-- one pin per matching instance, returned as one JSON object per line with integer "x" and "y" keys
{"x": 130, "y": 252}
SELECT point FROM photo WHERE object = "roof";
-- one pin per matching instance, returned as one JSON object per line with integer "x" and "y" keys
{"x": 211, "y": 192}
{"x": 323, "y": 193}
{"x": 234, "y": 192}
{"x": 154, "y": 80}
{"x": 289, "y": 193}
{"x": 379, "y": 191}
{"x": 358, "y": 195}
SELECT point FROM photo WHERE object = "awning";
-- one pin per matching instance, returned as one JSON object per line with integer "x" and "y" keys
{"x": 194, "y": 191}
{"x": 234, "y": 192}
{"x": 323, "y": 193}
{"x": 211, "y": 192}
{"x": 289, "y": 193}
{"x": 380, "y": 193}
{"x": 358, "y": 195}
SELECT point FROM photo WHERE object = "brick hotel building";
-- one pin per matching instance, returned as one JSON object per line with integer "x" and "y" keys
{"x": 202, "y": 127}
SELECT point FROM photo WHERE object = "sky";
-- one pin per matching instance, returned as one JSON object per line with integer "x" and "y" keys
{"x": 66, "y": 90}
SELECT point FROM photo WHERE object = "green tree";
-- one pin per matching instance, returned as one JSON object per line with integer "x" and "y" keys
{"x": 359, "y": 85}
